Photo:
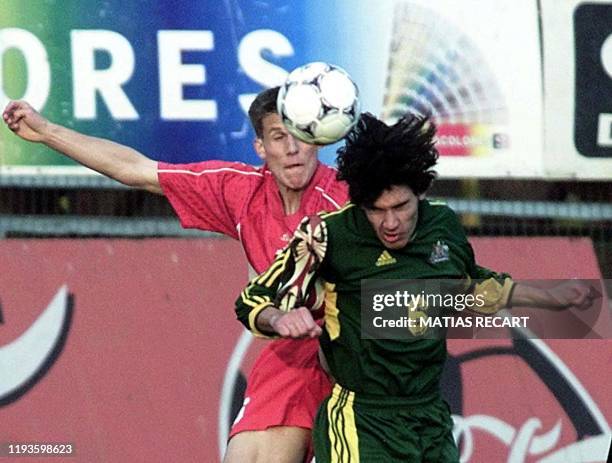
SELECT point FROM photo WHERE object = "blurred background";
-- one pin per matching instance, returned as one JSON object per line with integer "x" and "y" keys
{"x": 520, "y": 91}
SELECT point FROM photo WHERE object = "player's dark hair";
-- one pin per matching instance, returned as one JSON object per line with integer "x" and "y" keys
{"x": 263, "y": 104}
{"x": 377, "y": 156}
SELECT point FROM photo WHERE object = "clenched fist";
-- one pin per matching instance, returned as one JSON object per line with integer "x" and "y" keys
{"x": 25, "y": 121}
{"x": 297, "y": 323}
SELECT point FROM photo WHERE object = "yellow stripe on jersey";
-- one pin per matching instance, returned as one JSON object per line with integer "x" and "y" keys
{"x": 342, "y": 432}
{"x": 252, "y": 300}
{"x": 260, "y": 299}
{"x": 437, "y": 202}
{"x": 339, "y": 211}
{"x": 332, "y": 324}
{"x": 278, "y": 266}
{"x": 244, "y": 296}
{"x": 267, "y": 283}
{"x": 261, "y": 278}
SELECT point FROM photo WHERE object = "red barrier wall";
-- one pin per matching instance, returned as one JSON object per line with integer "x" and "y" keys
{"x": 134, "y": 371}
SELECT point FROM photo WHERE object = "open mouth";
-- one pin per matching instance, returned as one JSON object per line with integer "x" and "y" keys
{"x": 391, "y": 237}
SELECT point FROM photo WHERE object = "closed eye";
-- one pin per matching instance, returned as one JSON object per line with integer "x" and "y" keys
{"x": 401, "y": 205}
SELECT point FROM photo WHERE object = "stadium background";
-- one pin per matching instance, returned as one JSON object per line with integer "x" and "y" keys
{"x": 520, "y": 89}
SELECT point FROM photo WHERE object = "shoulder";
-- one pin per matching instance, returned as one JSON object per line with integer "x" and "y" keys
{"x": 210, "y": 168}
{"x": 339, "y": 215}
{"x": 437, "y": 215}
{"x": 340, "y": 221}
{"x": 333, "y": 191}
{"x": 435, "y": 209}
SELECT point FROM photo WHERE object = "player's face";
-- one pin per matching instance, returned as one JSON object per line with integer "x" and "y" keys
{"x": 291, "y": 161}
{"x": 394, "y": 216}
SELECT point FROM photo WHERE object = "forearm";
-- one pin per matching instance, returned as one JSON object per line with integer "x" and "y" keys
{"x": 507, "y": 293}
{"x": 265, "y": 320}
{"x": 296, "y": 324}
{"x": 528, "y": 296}
{"x": 249, "y": 305}
{"x": 114, "y": 160}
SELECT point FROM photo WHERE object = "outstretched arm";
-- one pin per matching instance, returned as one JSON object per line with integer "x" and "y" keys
{"x": 499, "y": 291}
{"x": 570, "y": 293}
{"x": 116, "y": 161}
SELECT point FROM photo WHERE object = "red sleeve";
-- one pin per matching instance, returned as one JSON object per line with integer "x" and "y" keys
{"x": 208, "y": 195}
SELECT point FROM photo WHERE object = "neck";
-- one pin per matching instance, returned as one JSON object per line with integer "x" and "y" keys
{"x": 291, "y": 199}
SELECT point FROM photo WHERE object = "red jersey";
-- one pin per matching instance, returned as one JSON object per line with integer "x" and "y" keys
{"x": 243, "y": 202}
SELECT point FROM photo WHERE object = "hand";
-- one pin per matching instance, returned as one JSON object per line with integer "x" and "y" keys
{"x": 25, "y": 121}
{"x": 297, "y": 324}
{"x": 573, "y": 293}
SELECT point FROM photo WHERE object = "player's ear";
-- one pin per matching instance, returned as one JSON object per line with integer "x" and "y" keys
{"x": 258, "y": 145}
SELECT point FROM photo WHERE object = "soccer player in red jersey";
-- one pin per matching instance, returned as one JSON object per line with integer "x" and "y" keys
{"x": 261, "y": 207}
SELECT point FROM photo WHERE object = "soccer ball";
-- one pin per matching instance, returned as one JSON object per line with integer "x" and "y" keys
{"x": 318, "y": 103}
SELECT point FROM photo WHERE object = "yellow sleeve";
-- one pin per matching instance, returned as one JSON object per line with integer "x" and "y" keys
{"x": 494, "y": 293}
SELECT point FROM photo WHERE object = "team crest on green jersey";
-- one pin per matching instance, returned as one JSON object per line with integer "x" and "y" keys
{"x": 439, "y": 253}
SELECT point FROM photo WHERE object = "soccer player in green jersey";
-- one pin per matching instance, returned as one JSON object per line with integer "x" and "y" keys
{"x": 386, "y": 405}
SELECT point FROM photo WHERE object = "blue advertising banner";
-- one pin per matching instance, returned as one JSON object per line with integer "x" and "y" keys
{"x": 174, "y": 78}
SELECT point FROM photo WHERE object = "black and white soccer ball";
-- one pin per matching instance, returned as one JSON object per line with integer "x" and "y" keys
{"x": 319, "y": 103}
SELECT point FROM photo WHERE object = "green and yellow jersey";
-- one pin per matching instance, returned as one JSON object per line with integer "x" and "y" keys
{"x": 341, "y": 249}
